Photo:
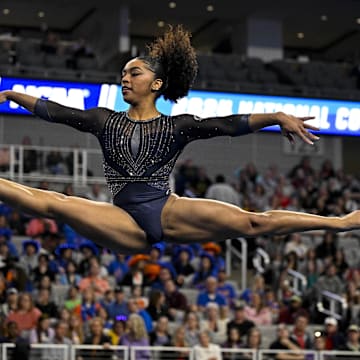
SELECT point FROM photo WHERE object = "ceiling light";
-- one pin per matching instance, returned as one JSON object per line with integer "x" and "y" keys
{"x": 210, "y": 8}
{"x": 41, "y": 14}
{"x": 358, "y": 21}
{"x": 161, "y": 23}
{"x": 323, "y": 17}
{"x": 6, "y": 11}
{"x": 172, "y": 4}
{"x": 300, "y": 35}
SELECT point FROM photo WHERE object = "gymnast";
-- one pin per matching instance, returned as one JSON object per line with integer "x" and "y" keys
{"x": 140, "y": 147}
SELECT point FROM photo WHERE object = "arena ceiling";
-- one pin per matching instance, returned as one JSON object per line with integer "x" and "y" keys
{"x": 322, "y": 22}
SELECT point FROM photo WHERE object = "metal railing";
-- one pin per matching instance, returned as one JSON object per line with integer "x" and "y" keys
{"x": 75, "y": 171}
{"x": 77, "y": 352}
{"x": 233, "y": 254}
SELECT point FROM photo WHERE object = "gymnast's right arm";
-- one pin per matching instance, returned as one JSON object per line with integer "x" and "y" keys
{"x": 84, "y": 120}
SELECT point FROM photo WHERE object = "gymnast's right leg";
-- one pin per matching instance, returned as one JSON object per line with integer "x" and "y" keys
{"x": 107, "y": 225}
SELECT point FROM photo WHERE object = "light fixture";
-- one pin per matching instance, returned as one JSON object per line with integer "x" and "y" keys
{"x": 323, "y": 17}
{"x": 161, "y": 23}
{"x": 210, "y": 8}
{"x": 172, "y": 4}
{"x": 300, "y": 35}
{"x": 358, "y": 21}
{"x": 6, "y": 11}
{"x": 41, "y": 14}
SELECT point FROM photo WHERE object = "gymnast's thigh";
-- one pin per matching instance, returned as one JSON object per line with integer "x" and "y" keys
{"x": 105, "y": 223}
{"x": 187, "y": 219}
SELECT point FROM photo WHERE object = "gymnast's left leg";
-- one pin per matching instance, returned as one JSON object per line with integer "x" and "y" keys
{"x": 189, "y": 220}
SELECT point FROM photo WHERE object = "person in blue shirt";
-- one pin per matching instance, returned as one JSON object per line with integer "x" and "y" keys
{"x": 119, "y": 305}
{"x": 118, "y": 267}
{"x": 211, "y": 294}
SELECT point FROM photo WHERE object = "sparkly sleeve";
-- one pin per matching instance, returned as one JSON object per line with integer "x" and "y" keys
{"x": 190, "y": 127}
{"x": 91, "y": 120}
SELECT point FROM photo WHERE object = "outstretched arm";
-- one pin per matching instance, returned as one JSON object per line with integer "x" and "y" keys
{"x": 290, "y": 125}
{"x": 91, "y": 120}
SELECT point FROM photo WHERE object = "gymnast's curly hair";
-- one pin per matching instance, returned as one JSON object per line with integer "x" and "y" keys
{"x": 173, "y": 59}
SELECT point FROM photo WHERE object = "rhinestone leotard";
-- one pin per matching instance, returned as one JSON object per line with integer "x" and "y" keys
{"x": 138, "y": 156}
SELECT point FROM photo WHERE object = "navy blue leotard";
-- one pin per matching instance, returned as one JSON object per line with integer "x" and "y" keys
{"x": 138, "y": 156}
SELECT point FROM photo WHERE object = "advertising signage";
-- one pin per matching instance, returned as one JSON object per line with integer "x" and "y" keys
{"x": 334, "y": 117}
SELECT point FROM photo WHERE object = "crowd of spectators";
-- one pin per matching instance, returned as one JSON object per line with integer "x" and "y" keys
{"x": 113, "y": 299}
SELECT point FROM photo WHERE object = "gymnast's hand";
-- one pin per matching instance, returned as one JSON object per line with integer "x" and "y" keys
{"x": 291, "y": 125}
{"x": 3, "y": 96}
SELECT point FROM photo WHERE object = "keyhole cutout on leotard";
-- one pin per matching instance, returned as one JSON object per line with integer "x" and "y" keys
{"x": 135, "y": 141}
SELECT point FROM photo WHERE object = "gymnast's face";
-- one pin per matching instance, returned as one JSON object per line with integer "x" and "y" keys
{"x": 138, "y": 82}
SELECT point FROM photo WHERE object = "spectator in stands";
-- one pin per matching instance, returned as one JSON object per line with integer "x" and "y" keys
{"x": 291, "y": 310}
{"x": 183, "y": 255}
{"x": 61, "y": 329}
{"x": 88, "y": 250}
{"x": 137, "y": 293}
{"x": 11, "y": 303}
{"x": 233, "y": 341}
{"x": 294, "y": 243}
{"x": 94, "y": 280}
{"x": 43, "y": 269}
{"x": 136, "y": 335}
{"x": 341, "y": 263}
{"x": 178, "y": 340}
{"x": 119, "y": 305}
{"x": 118, "y": 267}
{"x": 257, "y": 311}
{"x": 330, "y": 282}
{"x": 29, "y": 258}
{"x": 207, "y": 267}
{"x": 75, "y": 330}
{"x": 104, "y": 316}
{"x": 46, "y": 305}
{"x": 166, "y": 272}
{"x": 192, "y": 328}
{"x": 26, "y": 315}
{"x": 221, "y": 190}
{"x": 334, "y": 338}
{"x": 22, "y": 344}
{"x": 117, "y": 330}
{"x": 257, "y": 286}
{"x": 210, "y": 294}
{"x": 215, "y": 251}
{"x": 175, "y": 300}
{"x": 133, "y": 308}
{"x": 39, "y": 227}
{"x": 215, "y": 325}
{"x": 89, "y": 305}
{"x": 55, "y": 163}
{"x": 253, "y": 341}
{"x": 136, "y": 274}
{"x": 69, "y": 276}
{"x": 43, "y": 333}
{"x": 352, "y": 342}
{"x": 97, "y": 337}
{"x": 6, "y": 236}
{"x": 206, "y": 350}
{"x": 50, "y": 42}
{"x": 240, "y": 321}
{"x": 284, "y": 342}
{"x": 300, "y": 333}
{"x": 327, "y": 248}
{"x": 30, "y": 156}
{"x": 311, "y": 267}
{"x": 226, "y": 289}
{"x": 73, "y": 298}
{"x": 160, "y": 336}
{"x": 157, "y": 305}
{"x": 64, "y": 253}
{"x": 97, "y": 194}
{"x": 17, "y": 223}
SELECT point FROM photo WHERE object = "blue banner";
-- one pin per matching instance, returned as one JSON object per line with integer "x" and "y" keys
{"x": 334, "y": 117}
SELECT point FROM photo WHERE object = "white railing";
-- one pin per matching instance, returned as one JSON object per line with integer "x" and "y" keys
{"x": 75, "y": 352}
{"x": 232, "y": 252}
{"x": 298, "y": 281}
{"x": 336, "y": 304}
{"x": 81, "y": 160}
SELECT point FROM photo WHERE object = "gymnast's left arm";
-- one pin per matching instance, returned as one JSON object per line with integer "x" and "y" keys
{"x": 290, "y": 125}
